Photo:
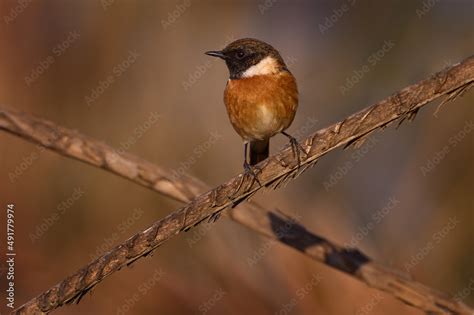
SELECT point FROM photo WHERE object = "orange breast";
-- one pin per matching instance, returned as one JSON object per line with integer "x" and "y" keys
{"x": 261, "y": 106}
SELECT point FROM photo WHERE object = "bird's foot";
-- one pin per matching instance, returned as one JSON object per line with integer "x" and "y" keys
{"x": 252, "y": 171}
{"x": 296, "y": 147}
{"x": 249, "y": 171}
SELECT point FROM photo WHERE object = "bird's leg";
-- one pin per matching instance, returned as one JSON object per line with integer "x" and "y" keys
{"x": 248, "y": 171}
{"x": 252, "y": 171}
{"x": 295, "y": 147}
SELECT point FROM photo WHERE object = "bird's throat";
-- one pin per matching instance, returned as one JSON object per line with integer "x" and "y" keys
{"x": 267, "y": 65}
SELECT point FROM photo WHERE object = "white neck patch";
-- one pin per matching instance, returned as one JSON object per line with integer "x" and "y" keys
{"x": 267, "y": 65}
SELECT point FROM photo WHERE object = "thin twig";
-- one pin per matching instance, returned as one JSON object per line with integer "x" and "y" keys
{"x": 273, "y": 171}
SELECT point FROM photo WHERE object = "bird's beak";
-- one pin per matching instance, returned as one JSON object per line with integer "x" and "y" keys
{"x": 216, "y": 53}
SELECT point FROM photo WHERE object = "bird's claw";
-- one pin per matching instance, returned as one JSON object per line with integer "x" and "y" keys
{"x": 248, "y": 171}
{"x": 252, "y": 171}
{"x": 296, "y": 147}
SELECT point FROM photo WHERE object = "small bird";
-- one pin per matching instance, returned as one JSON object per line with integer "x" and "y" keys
{"x": 261, "y": 96}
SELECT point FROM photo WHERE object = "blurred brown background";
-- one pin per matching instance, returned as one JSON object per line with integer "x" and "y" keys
{"x": 133, "y": 74}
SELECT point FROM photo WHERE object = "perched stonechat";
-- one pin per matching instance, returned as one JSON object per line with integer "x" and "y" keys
{"x": 261, "y": 95}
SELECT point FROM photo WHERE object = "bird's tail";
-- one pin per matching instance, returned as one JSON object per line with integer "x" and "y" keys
{"x": 259, "y": 150}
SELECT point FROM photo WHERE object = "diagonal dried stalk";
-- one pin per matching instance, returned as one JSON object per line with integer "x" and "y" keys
{"x": 276, "y": 170}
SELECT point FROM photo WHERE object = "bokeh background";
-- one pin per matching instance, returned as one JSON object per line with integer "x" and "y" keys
{"x": 133, "y": 74}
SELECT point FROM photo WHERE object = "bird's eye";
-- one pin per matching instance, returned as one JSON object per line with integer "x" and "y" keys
{"x": 240, "y": 54}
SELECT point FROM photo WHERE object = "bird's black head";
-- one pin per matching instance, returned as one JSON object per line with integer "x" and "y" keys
{"x": 247, "y": 57}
